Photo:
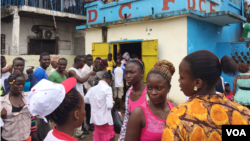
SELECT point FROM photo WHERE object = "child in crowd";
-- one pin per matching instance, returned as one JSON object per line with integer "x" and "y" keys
{"x": 101, "y": 101}
{"x": 228, "y": 92}
{"x": 54, "y": 66}
{"x": 30, "y": 70}
{"x": 119, "y": 75}
{"x": 111, "y": 63}
{"x": 66, "y": 107}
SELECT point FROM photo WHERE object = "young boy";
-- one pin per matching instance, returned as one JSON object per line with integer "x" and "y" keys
{"x": 111, "y": 63}
{"x": 54, "y": 66}
{"x": 119, "y": 74}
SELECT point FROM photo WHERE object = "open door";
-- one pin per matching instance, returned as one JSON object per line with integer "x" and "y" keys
{"x": 149, "y": 55}
{"x": 100, "y": 50}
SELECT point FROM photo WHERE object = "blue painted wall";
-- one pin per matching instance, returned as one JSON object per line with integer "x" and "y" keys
{"x": 202, "y": 35}
{"x": 139, "y": 8}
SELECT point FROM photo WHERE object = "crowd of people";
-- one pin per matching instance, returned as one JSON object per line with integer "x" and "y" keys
{"x": 31, "y": 102}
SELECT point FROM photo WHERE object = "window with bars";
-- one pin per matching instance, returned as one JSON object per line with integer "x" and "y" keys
{"x": 2, "y": 43}
{"x": 38, "y": 46}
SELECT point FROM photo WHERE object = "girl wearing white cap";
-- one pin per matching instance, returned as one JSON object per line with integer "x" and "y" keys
{"x": 60, "y": 103}
{"x": 17, "y": 119}
{"x": 100, "y": 98}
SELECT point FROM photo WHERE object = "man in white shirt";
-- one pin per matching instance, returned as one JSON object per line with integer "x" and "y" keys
{"x": 74, "y": 72}
{"x": 85, "y": 70}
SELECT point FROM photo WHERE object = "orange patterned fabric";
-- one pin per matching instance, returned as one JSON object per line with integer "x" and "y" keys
{"x": 201, "y": 118}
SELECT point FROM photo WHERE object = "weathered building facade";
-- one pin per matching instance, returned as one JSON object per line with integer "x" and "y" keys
{"x": 165, "y": 29}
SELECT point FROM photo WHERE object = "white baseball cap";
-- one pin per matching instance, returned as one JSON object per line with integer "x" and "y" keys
{"x": 46, "y": 96}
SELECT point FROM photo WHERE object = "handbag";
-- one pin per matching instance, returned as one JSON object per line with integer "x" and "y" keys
{"x": 118, "y": 121}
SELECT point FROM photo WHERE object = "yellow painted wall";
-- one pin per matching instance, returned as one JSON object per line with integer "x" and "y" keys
{"x": 172, "y": 42}
{"x": 33, "y": 60}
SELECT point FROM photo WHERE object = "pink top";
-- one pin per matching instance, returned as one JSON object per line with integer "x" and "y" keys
{"x": 133, "y": 104}
{"x": 154, "y": 126}
{"x": 229, "y": 96}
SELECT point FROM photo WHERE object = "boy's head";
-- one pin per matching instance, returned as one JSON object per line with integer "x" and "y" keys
{"x": 118, "y": 63}
{"x": 89, "y": 60}
{"x": 109, "y": 56}
{"x": 79, "y": 61}
{"x": 227, "y": 87}
{"x": 54, "y": 64}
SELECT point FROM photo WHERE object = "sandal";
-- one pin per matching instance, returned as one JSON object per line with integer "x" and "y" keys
{"x": 82, "y": 137}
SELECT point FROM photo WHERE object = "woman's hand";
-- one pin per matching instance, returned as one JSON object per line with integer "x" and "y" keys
{"x": 3, "y": 114}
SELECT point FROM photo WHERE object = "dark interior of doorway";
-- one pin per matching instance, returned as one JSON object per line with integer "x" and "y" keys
{"x": 131, "y": 48}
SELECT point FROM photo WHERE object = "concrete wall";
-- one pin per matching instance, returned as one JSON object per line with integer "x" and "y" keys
{"x": 33, "y": 60}
{"x": 172, "y": 42}
{"x": 6, "y": 28}
{"x": 79, "y": 42}
{"x": 66, "y": 33}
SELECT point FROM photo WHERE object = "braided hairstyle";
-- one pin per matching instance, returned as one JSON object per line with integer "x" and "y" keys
{"x": 164, "y": 68}
{"x": 72, "y": 101}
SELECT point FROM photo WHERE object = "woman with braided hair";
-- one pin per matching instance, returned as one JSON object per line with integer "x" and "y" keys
{"x": 147, "y": 121}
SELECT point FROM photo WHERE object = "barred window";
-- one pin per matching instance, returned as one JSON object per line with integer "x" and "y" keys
{"x": 38, "y": 46}
{"x": 2, "y": 43}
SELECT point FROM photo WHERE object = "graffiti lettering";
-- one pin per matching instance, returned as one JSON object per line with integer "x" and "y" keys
{"x": 189, "y": 7}
{"x": 121, "y": 8}
{"x": 92, "y": 20}
{"x": 200, "y": 5}
{"x": 165, "y": 4}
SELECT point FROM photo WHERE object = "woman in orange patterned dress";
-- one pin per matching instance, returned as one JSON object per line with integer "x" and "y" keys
{"x": 202, "y": 116}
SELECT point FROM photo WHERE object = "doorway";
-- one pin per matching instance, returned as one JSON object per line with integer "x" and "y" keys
{"x": 131, "y": 48}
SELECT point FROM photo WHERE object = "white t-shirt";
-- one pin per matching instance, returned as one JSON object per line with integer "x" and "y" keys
{"x": 51, "y": 70}
{"x": 100, "y": 98}
{"x": 79, "y": 86}
{"x": 123, "y": 65}
{"x": 119, "y": 73}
